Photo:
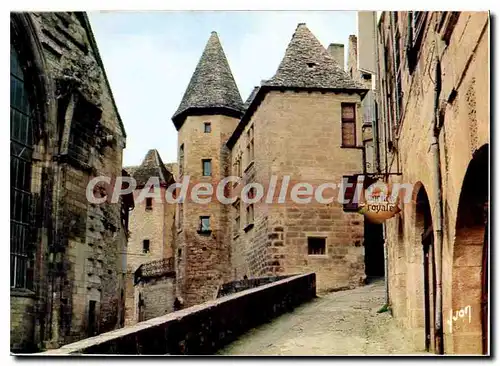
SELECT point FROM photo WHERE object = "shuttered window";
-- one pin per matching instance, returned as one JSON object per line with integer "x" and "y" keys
{"x": 348, "y": 124}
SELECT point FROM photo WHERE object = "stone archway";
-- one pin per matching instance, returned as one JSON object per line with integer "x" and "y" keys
{"x": 421, "y": 271}
{"x": 467, "y": 321}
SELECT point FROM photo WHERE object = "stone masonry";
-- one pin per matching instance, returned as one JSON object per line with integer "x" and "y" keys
{"x": 307, "y": 90}
{"x": 151, "y": 226}
{"x": 459, "y": 40}
{"x": 75, "y": 249}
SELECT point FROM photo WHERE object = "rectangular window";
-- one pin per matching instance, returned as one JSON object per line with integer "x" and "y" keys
{"x": 207, "y": 167}
{"x": 348, "y": 124}
{"x": 316, "y": 246}
{"x": 181, "y": 216}
{"x": 250, "y": 214}
{"x": 149, "y": 203}
{"x": 448, "y": 21}
{"x": 181, "y": 160}
{"x": 207, "y": 127}
{"x": 416, "y": 31}
{"x": 418, "y": 20}
{"x": 351, "y": 180}
{"x": 145, "y": 246}
{"x": 204, "y": 224}
{"x": 250, "y": 145}
{"x": 236, "y": 225}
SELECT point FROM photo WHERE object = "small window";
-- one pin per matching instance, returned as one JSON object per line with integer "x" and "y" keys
{"x": 250, "y": 214}
{"x": 350, "y": 206}
{"x": 149, "y": 203}
{"x": 207, "y": 167}
{"x": 236, "y": 226}
{"x": 250, "y": 145}
{"x": 181, "y": 216}
{"x": 145, "y": 246}
{"x": 181, "y": 159}
{"x": 204, "y": 224}
{"x": 179, "y": 253}
{"x": 348, "y": 124}
{"x": 316, "y": 246}
{"x": 207, "y": 127}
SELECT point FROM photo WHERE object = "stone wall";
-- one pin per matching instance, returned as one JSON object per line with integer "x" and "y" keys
{"x": 155, "y": 225}
{"x": 464, "y": 60}
{"x": 298, "y": 134}
{"x": 79, "y": 135}
{"x": 203, "y": 263}
{"x": 201, "y": 329}
{"x": 154, "y": 297}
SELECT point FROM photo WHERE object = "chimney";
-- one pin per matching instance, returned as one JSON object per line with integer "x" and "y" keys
{"x": 336, "y": 50}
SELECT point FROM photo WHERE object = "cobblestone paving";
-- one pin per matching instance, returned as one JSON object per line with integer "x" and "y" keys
{"x": 339, "y": 323}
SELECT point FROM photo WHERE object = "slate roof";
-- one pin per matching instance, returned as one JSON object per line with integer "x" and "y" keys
{"x": 251, "y": 97}
{"x": 212, "y": 84}
{"x": 152, "y": 166}
{"x": 307, "y": 64}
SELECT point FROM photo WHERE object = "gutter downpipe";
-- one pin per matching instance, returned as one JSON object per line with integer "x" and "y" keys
{"x": 375, "y": 91}
{"x": 438, "y": 230}
{"x": 382, "y": 110}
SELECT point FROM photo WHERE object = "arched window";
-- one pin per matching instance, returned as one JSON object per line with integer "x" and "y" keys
{"x": 21, "y": 150}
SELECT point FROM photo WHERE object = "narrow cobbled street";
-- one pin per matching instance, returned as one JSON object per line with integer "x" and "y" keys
{"x": 338, "y": 323}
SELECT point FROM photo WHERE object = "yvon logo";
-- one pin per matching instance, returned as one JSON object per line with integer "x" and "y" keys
{"x": 459, "y": 314}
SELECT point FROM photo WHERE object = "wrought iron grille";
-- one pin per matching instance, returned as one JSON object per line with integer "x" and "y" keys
{"x": 21, "y": 150}
{"x": 155, "y": 268}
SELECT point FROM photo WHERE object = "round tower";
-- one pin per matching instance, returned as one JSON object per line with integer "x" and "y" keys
{"x": 208, "y": 114}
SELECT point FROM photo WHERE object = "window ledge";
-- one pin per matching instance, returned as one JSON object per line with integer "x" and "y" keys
{"x": 204, "y": 232}
{"x": 250, "y": 164}
{"x": 321, "y": 256}
{"x": 22, "y": 292}
{"x": 248, "y": 227}
{"x": 351, "y": 147}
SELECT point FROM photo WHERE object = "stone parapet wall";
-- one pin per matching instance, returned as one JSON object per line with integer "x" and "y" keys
{"x": 204, "y": 328}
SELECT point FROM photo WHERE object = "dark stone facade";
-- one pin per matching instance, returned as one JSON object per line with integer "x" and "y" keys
{"x": 74, "y": 249}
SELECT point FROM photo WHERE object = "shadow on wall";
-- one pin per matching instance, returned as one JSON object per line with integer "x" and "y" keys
{"x": 201, "y": 329}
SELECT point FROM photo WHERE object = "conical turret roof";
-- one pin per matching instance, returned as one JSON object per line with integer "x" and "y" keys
{"x": 307, "y": 64}
{"x": 212, "y": 87}
{"x": 152, "y": 166}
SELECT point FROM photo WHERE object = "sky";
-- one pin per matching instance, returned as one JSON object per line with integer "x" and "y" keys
{"x": 149, "y": 58}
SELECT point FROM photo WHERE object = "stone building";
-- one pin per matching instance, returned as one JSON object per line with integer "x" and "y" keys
{"x": 67, "y": 255}
{"x": 434, "y": 128}
{"x": 151, "y": 225}
{"x": 207, "y": 116}
{"x": 305, "y": 123}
